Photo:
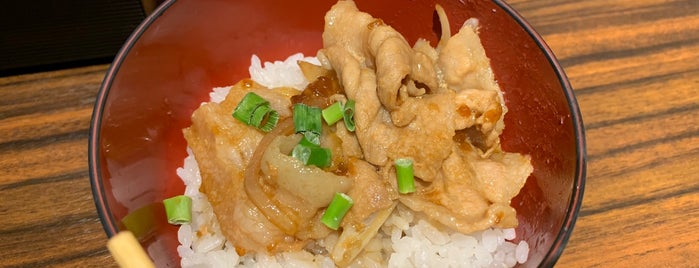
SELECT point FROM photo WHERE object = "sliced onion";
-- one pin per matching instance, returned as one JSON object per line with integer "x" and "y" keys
{"x": 285, "y": 221}
{"x": 353, "y": 239}
{"x": 444, "y": 24}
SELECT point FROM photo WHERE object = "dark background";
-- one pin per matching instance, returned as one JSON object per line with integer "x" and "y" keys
{"x": 41, "y": 35}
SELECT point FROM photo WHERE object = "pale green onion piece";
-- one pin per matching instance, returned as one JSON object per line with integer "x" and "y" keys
{"x": 302, "y": 150}
{"x": 404, "y": 175}
{"x": 312, "y": 137}
{"x": 178, "y": 209}
{"x": 141, "y": 221}
{"x": 253, "y": 110}
{"x": 302, "y": 153}
{"x": 348, "y": 115}
{"x": 337, "y": 209}
{"x": 333, "y": 113}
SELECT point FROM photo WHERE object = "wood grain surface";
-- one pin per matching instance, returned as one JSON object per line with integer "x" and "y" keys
{"x": 634, "y": 65}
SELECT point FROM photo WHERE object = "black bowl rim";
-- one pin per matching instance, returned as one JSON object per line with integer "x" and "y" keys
{"x": 103, "y": 210}
{"x": 551, "y": 257}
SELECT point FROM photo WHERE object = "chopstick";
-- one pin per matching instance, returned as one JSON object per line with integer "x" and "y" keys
{"x": 127, "y": 252}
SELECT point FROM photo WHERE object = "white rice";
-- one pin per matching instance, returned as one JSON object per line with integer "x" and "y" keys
{"x": 280, "y": 73}
{"x": 405, "y": 240}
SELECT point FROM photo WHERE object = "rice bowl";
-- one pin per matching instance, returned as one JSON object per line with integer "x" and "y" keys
{"x": 113, "y": 141}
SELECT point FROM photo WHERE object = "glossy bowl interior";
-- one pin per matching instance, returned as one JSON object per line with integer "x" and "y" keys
{"x": 186, "y": 47}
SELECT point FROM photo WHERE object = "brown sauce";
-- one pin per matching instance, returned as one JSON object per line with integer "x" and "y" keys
{"x": 493, "y": 115}
{"x": 318, "y": 92}
{"x": 464, "y": 111}
{"x": 469, "y": 137}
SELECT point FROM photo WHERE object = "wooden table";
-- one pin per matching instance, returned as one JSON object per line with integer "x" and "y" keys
{"x": 634, "y": 65}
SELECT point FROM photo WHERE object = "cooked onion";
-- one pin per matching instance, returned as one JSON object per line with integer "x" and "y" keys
{"x": 444, "y": 24}
{"x": 282, "y": 219}
{"x": 353, "y": 239}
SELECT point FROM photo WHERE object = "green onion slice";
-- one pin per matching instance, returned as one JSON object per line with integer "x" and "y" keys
{"x": 178, "y": 209}
{"x": 265, "y": 118}
{"x": 337, "y": 209}
{"x": 311, "y": 154}
{"x": 255, "y": 111}
{"x": 312, "y": 137}
{"x": 320, "y": 157}
{"x": 404, "y": 175}
{"x": 307, "y": 118}
{"x": 302, "y": 153}
{"x": 348, "y": 115}
{"x": 333, "y": 113}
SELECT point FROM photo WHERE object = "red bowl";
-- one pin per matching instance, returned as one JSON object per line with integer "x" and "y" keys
{"x": 173, "y": 59}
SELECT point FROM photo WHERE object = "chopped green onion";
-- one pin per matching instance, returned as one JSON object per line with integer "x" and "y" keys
{"x": 404, "y": 175}
{"x": 337, "y": 209}
{"x": 253, "y": 110}
{"x": 311, "y": 154}
{"x": 317, "y": 156}
{"x": 178, "y": 209}
{"x": 265, "y": 115}
{"x": 302, "y": 153}
{"x": 307, "y": 119}
{"x": 348, "y": 115}
{"x": 312, "y": 137}
{"x": 141, "y": 221}
{"x": 333, "y": 113}
{"x": 247, "y": 106}
{"x": 320, "y": 157}
{"x": 305, "y": 142}
{"x": 272, "y": 119}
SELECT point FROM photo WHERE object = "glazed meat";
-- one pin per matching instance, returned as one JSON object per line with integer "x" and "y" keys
{"x": 266, "y": 200}
{"x": 439, "y": 106}
{"x": 223, "y": 148}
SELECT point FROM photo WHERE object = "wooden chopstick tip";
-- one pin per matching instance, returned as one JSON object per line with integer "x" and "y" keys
{"x": 127, "y": 251}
